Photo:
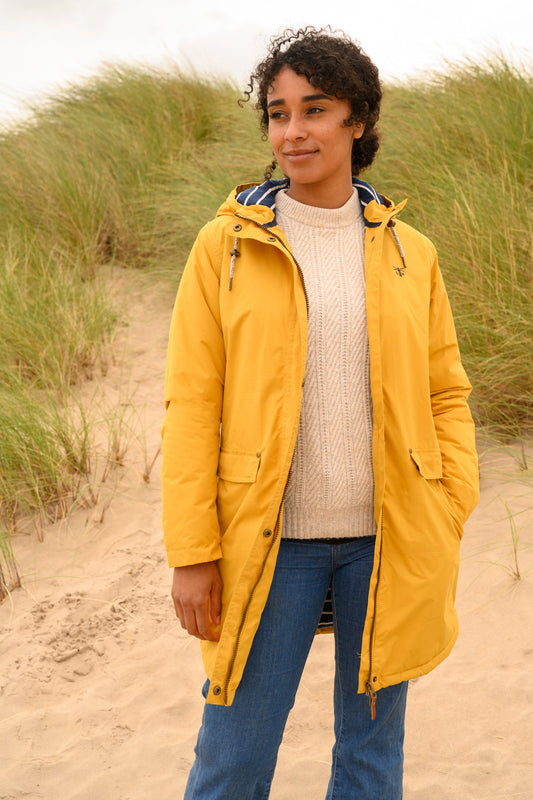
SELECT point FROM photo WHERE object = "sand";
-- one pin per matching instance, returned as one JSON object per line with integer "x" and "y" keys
{"x": 100, "y": 687}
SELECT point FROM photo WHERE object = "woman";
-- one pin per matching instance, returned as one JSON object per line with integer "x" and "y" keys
{"x": 319, "y": 457}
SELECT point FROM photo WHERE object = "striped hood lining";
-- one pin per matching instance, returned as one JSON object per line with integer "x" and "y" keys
{"x": 265, "y": 195}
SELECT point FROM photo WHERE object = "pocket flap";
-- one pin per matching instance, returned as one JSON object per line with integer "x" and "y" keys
{"x": 428, "y": 462}
{"x": 238, "y": 467}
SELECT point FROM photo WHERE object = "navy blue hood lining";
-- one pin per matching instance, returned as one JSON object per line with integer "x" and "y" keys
{"x": 265, "y": 195}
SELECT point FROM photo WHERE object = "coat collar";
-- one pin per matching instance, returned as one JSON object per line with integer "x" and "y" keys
{"x": 260, "y": 202}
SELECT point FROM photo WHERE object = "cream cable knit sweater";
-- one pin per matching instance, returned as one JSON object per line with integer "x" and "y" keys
{"x": 330, "y": 487}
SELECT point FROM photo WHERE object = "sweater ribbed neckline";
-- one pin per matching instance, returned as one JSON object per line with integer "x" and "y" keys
{"x": 316, "y": 217}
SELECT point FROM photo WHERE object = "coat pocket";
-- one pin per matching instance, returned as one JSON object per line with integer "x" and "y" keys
{"x": 429, "y": 465}
{"x": 237, "y": 473}
{"x": 238, "y": 467}
{"x": 428, "y": 462}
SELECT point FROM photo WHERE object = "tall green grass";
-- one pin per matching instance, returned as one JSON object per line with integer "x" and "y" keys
{"x": 89, "y": 180}
{"x": 52, "y": 320}
{"x": 124, "y": 169}
{"x": 460, "y": 146}
{"x": 83, "y": 174}
{"x": 104, "y": 173}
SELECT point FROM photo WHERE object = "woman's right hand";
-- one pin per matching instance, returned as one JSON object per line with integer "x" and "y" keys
{"x": 197, "y": 596}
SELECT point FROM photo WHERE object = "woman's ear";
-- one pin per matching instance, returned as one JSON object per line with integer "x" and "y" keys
{"x": 358, "y": 129}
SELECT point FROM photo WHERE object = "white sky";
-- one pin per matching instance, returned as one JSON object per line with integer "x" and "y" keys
{"x": 45, "y": 43}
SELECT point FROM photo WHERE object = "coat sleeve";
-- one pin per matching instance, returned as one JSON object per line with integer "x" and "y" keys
{"x": 450, "y": 389}
{"x": 194, "y": 382}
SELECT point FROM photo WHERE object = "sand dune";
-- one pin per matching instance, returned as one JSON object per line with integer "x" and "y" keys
{"x": 100, "y": 688}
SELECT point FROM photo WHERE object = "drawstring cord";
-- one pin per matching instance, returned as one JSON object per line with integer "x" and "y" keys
{"x": 234, "y": 254}
{"x": 391, "y": 223}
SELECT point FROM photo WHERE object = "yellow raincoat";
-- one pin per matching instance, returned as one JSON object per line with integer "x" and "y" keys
{"x": 235, "y": 369}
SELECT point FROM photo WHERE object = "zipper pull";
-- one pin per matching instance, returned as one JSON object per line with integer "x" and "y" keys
{"x": 372, "y": 696}
{"x": 234, "y": 254}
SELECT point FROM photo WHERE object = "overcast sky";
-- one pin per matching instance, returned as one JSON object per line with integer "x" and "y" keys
{"x": 45, "y": 43}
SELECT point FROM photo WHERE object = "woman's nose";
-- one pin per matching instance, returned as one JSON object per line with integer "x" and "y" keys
{"x": 295, "y": 129}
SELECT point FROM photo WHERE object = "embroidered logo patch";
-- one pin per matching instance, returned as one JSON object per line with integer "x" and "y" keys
{"x": 400, "y": 271}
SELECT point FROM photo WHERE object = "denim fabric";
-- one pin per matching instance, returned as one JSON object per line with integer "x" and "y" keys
{"x": 238, "y": 745}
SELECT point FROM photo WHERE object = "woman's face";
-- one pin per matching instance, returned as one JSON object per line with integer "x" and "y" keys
{"x": 311, "y": 143}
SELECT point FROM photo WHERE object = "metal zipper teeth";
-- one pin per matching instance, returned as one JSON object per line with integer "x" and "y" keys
{"x": 276, "y": 528}
{"x": 245, "y": 614}
{"x": 282, "y": 243}
{"x": 369, "y": 691}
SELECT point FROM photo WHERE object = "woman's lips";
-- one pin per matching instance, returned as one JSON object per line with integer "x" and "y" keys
{"x": 299, "y": 155}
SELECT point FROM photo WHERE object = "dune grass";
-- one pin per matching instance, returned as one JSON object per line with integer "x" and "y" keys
{"x": 81, "y": 174}
{"x": 100, "y": 175}
{"x": 52, "y": 321}
{"x": 460, "y": 146}
{"x": 123, "y": 170}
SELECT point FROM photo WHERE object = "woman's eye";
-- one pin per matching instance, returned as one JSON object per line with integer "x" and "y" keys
{"x": 315, "y": 110}
{"x": 275, "y": 115}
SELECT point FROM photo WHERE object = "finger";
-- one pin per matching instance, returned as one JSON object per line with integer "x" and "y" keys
{"x": 177, "y": 604}
{"x": 191, "y": 622}
{"x": 180, "y": 613}
{"x": 177, "y": 608}
{"x": 181, "y": 618}
{"x": 216, "y": 603}
{"x": 205, "y": 626}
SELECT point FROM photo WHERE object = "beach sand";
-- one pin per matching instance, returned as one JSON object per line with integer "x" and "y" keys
{"x": 100, "y": 687}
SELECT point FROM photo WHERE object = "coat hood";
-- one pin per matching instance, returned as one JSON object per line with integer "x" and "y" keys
{"x": 377, "y": 209}
{"x": 258, "y": 203}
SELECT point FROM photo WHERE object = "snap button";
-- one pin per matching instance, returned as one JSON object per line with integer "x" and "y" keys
{"x": 217, "y": 690}
{"x": 267, "y": 533}
{"x": 237, "y": 227}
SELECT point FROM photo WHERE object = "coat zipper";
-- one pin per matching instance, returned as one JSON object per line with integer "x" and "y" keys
{"x": 370, "y": 693}
{"x": 276, "y": 528}
{"x": 245, "y": 614}
{"x": 291, "y": 255}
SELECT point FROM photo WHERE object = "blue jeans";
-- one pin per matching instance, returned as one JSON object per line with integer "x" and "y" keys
{"x": 238, "y": 745}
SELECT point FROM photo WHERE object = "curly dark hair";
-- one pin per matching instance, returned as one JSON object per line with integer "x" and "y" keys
{"x": 332, "y": 62}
